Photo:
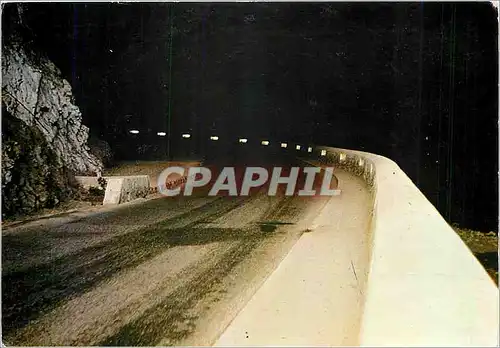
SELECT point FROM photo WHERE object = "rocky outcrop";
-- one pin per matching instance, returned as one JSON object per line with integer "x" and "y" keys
{"x": 34, "y": 92}
{"x": 44, "y": 143}
{"x": 32, "y": 176}
{"x": 101, "y": 150}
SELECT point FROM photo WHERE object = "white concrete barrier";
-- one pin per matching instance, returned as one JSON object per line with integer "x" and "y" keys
{"x": 121, "y": 189}
{"x": 425, "y": 287}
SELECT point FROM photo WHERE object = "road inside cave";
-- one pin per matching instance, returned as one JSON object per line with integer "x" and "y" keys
{"x": 168, "y": 271}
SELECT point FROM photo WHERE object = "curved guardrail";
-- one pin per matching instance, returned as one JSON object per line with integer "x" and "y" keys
{"x": 424, "y": 286}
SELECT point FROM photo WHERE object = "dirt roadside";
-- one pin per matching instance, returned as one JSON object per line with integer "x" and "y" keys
{"x": 484, "y": 246}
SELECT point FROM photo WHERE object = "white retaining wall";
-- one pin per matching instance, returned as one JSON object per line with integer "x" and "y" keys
{"x": 125, "y": 188}
{"x": 119, "y": 189}
{"x": 425, "y": 287}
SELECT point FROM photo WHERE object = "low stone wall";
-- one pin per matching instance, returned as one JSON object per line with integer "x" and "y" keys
{"x": 125, "y": 189}
{"x": 425, "y": 287}
{"x": 88, "y": 181}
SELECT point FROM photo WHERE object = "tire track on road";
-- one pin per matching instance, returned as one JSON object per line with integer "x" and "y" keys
{"x": 174, "y": 319}
{"x": 29, "y": 293}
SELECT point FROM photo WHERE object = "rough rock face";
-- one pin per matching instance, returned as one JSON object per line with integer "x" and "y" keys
{"x": 32, "y": 176}
{"x": 43, "y": 140}
{"x": 101, "y": 150}
{"x": 34, "y": 92}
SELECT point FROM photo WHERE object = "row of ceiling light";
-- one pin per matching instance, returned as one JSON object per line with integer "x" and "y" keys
{"x": 240, "y": 140}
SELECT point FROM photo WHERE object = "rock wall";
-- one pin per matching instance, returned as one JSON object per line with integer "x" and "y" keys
{"x": 101, "y": 149}
{"x": 32, "y": 176}
{"x": 34, "y": 92}
{"x": 44, "y": 143}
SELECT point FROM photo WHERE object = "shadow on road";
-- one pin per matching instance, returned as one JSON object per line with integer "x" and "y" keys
{"x": 28, "y": 293}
